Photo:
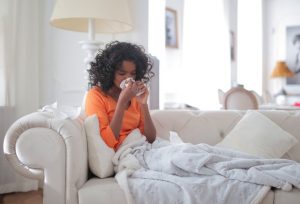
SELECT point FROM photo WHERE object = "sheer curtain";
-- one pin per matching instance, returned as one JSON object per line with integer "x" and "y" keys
{"x": 249, "y": 53}
{"x": 19, "y": 63}
{"x": 206, "y": 56}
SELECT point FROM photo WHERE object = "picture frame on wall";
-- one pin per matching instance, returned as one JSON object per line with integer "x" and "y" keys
{"x": 232, "y": 46}
{"x": 293, "y": 54}
{"x": 171, "y": 28}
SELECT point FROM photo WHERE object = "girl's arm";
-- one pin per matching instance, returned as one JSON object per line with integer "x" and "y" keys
{"x": 123, "y": 102}
{"x": 116, "y": 122}
{"x": 149, "y": 128}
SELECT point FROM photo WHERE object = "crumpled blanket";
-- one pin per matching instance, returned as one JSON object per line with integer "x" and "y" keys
{"x": 61, "y": 112}
{"x": 165, "y": 172}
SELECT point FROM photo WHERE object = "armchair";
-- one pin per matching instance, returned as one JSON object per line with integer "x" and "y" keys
{"x": 239, "y": 98}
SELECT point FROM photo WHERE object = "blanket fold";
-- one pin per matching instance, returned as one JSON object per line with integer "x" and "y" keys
{"x": 150, "y": 173}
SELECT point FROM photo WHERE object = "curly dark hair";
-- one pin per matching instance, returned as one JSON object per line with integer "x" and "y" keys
{"x": 110, "y": 59}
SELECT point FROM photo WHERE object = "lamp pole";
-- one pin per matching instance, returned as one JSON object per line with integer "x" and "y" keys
{"x": 101, "y": 16}
{"x": 90, "y": 46}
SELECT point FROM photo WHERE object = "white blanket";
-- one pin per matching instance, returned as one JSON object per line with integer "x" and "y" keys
{"x": 185, "y": 173}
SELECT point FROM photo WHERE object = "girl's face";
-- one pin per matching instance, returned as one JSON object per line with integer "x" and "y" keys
{"x": 126, "y": 70}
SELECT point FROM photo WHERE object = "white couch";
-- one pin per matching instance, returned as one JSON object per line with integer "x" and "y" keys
{"x": 55, "y": 151}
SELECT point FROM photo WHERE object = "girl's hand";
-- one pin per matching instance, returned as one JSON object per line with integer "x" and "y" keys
{"x": 128, "y": 92}
{"x": 142, "y": 88}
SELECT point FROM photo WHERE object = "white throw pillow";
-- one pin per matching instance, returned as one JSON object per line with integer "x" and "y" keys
{"x": 258, "y": 135}
{"x": 99, "y": 154}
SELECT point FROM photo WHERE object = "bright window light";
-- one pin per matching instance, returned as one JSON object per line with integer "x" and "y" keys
{"x": 206, "y": 56}
{"x": 192, "y": 73}
{"x": 249, "y": 51}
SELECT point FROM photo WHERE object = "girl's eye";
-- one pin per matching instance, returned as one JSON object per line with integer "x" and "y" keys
{"x": 121, "y": 73}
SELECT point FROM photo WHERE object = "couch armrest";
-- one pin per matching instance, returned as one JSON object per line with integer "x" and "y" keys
{"x": 39, "y": 146}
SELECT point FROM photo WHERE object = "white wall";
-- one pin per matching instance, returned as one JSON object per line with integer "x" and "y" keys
{"x": 231, "y": 18}
{"x": 277, "y": 15}
{"x": 173, "y": 58}
{"x": 62, "y": 67}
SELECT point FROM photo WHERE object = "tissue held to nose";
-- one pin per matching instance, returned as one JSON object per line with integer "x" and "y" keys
{"x": 125, "y": 83}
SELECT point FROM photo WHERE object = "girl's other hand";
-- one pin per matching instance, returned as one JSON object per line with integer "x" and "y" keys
{"x": 144, "y": 93}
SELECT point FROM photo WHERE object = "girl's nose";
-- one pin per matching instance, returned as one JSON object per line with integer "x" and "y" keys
{"x": 129, "y": 76}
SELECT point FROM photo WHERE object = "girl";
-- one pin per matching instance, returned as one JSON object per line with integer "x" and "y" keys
{"x": 119, "y": 110}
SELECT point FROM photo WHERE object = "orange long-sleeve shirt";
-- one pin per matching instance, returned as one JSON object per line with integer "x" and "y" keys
{"x": 104, "y": 106}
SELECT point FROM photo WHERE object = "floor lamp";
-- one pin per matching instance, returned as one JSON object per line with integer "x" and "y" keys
{"x": 92, "y": 16}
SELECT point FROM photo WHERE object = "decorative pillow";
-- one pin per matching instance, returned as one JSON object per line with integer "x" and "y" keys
{"x": 99, "y": 154}
{"x": 258, "y": 135}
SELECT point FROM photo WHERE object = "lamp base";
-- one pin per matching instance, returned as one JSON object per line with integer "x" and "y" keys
{"x": 282, "y": 92}
{"x": 91, "y": 47}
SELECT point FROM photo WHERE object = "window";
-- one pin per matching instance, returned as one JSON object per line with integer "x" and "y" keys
{"x": 192, "y": 72}
{"x": 206, "y": 56}
{"x": 249, "y": 51}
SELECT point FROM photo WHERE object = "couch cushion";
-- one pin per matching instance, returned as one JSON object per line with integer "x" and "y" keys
{"x": 258, "y": 135}
{"x": 195, "y": 126}
{"x": 290, "y": 123}
{"x": 269, "y": 198}
{"x": 99, "y": 154}
{"x": 217, "y": 124}
{"x": 290, "y": 197}
{"x": 96, "y": 191}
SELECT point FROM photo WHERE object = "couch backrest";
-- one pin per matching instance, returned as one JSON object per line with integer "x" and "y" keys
{"x": 212, "y": 126}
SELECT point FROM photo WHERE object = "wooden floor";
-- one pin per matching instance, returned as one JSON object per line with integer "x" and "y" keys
{"x": 31, "y": 197}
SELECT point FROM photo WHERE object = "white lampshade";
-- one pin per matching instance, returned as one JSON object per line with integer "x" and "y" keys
{"x": 109, "y": 16}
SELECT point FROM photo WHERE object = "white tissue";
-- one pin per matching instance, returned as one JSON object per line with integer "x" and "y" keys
{"x": 125, "y": 82}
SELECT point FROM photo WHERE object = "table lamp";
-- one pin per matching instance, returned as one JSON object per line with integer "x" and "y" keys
{"x": 92, "y": 16}
{"x": 281, "y": 71}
